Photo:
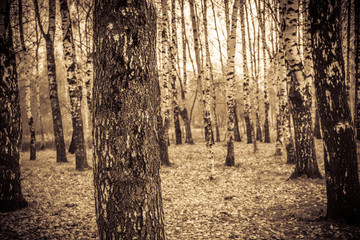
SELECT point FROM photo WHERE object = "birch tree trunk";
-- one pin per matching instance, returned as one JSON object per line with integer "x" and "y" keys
{"x": 11, "y": 197}
{"x": 25, "y": 60}
{"x": 340, "y": 157}
{"x": 74, "y": 86}
{"x": 230, "y": 85}
{"x": 53, "y": 91}
{"x": 183, "y": 109}
{"x": 204, "y": 100}
{"x": 126, "y": 149}
{"x": 300, "y": 96}
{"x": 164, "y": 75}
{"x": 262, "y": 20}
{"x": 37, "y": 88}
{"x": 173, "y": 60}
{"x": 246, "y": 75}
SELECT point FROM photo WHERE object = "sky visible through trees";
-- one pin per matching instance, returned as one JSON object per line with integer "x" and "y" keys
{"x": 179, "y": 119}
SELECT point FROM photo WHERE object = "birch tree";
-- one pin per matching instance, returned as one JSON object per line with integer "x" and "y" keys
{"x": 53, "y": 91}
{"x": 230, "y": 85}
{"x": 246, "y": 76}
{"x": 11, "y": 197}
{"x": 173, "y": 48}
{"x": 74, "y": 86}
{"x": 126, "y": 149}
{"x": 164, "y": 75}
{"x": 204, "y": 91}
{"x": 340, "y": 157}
{"x": 300, "y": 96}
{"x": 25, "y": 59}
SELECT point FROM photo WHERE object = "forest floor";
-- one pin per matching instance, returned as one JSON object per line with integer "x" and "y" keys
{"x": 252, "y": 200}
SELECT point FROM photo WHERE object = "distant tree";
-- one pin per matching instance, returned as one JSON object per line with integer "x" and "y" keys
{"x": 74, "y": 86}
{"x": 246, "y": 75}
{"x": 51, "y": 67}
{"x": 126, "y": 149}
{"x": 203, "y": 90}
{"x": 11, "y": 197}
{"x": 182, "y": 103}
{"x": 164, "y": 119}
{"x": 230, "y": 85}
{"x": 173, "y": 48}
{"x": 25, "y": 60}
{"x": 340, "y": 157}
{"x": 300, "y": 96}
{"x": 37, "y": 88}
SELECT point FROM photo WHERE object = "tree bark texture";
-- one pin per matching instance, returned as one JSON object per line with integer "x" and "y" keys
{"x": 11, "y": 197}
{"x": 340, "y": 159}
{"x": 299, "y": 95}
{"x": 126, "y": 149}
{"x": 75, "y": 91}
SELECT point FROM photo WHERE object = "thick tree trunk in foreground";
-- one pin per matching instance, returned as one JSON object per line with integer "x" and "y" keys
{"x": 126, "y": 147}
{"x": 300, "y": 96}
{"x": 340, "y": 159}
{"x": 53, "y": 91}
{"x": 11, "y": 197}
{"x": 74, "y": 85}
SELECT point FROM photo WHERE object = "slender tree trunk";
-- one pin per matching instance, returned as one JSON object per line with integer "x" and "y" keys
{"x": 183, "y": 109}
{"x": 204, "y": 92}
{"x": 300, "y": 96}
{"x": 173, "y": 57}
{"x": 340, "y": 157}
{"x": 164, "y": 100}
{"x": 246, "y": 75}
{"x": 74, "y": 86}
{"x": 11, "y": 197}
{"x": 230, "y": 85}
{"x": 126, "y": 149}
{"x": 262, "y": 20}
{"x": 25, "y": 60}
{"x": 37, "y": 89}
{"x": 53, "y": 91}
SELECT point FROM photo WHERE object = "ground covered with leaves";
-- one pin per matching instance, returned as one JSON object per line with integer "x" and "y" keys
{"x": 252, "y": 200}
